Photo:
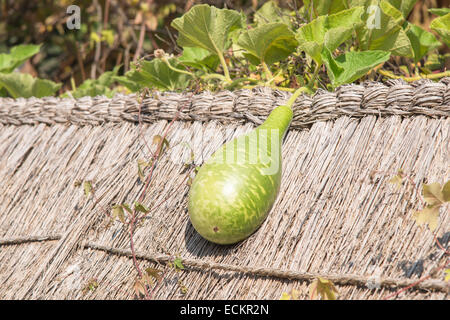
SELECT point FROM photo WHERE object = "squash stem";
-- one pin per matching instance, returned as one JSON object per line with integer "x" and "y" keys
{"x": 224, "y": 66}
{"x": 295, "y": 95}
{"x": 166, "y": 61}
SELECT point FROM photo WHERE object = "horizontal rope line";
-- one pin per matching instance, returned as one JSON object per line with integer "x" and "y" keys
{"x": 344, "y": 279}
{"x": 26, "y": 239}
{"x": 395, "y": 97}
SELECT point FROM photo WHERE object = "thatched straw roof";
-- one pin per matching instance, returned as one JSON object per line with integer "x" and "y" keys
{"x": 332, "y": 217}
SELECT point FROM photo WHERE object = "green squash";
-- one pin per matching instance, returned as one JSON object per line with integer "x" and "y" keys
{"x": 234, "y": 190}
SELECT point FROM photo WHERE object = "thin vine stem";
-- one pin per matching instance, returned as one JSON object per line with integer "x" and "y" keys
{"x": 432, "y": 76}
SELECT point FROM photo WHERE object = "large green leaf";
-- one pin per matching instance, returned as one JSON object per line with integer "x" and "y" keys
{"x": 268, "y": 43}
{"x": 383, "y": 30}
{"x": 156, "y": 74}
{"x": 402, "y": 6}
{"x": 17, "y": 55}
{"x": 421, "y": 40}
{"x": 199, "y": 58}
{"x": 270, "y": 12}
{"x": 329, "y": 31}
{"x": 207, "y": 27}
{"x": 442, "y": 26}
{"x": 24, "y": 85}
{"x": 352, "y": 65}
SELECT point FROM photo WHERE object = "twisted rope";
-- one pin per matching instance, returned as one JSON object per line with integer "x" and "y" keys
{"x": 394, "y": 97}
{"x": 340, "y": 279}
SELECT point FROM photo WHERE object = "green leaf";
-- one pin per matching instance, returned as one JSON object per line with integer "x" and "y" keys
{"x": 178, "y": 264}
{"x": 421, "y": 40}
{"x": 270, "y": 12}
{"x": 392, "y": 11}
{"x": 268, "y": 43}
{"x": 140, "y": 207}
{"x": 199, "y": 58}
{"x": 404, "y": 6}
{"x": 207, "y": 27}
{"x": 352, "y": 65}
{"x": 96, "y": 87}
{"x": 18, "y": 55}
{"x": 323, "y": 7}
{"x": 128, "y": 83}
{"x": 24, "y": 85}
{"x": 157, "y": 74}
{"x": 127, "y": 207}
{"x": 442, "y": 26}
{"x": 439, "y": 11}
{"x": 329, "y": 31}
{"x": 382, "y": 31}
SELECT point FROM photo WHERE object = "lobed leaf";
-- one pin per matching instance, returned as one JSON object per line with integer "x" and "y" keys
{"x": 207, "y": 27}
{"x": 384, "y": 31}
{"x": 268, "y": 43}
{"x": 156, "y": 74}
{"x": 270, "y": 12}
{"x": 352, "y": 65}
{"x": 199, "y": 58}
{"x": 24, "y": 85}
{"x": 442, "y": 26}
{"x": 328, "y": 31}
{"x": 421, "y": 40}
{"x": 429, "y": 215}
{"x": 17, "y": 55}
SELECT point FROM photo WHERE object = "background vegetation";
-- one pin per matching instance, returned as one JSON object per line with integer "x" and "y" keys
{"x": 116, "y": 33}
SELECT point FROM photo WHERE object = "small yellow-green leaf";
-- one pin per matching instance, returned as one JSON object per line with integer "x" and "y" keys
{"x": 446, "y": 191}
{"x": 95, "y": 37}
{"x": 429, "y": 215}
{"x": 397, "y": 180}
{"x": 127, "y": 207}
{"x": 157, "y": 140}
{"x": 108, "y": 36}
{"x": 178, "y": 264}
{"x": 139, "y": 287}
{"x": 447, "y": 275}
{"x": 432, "y": 194}
{"x": 155, "y": 273}
{"x": 87, "y": 188}
{"x": 142, "y": 164}
{"x": 323, "y": 287}
{"x": 116, "y": 211}
{"x": 140, "y": 207}
{"x": 285, "y": 296}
